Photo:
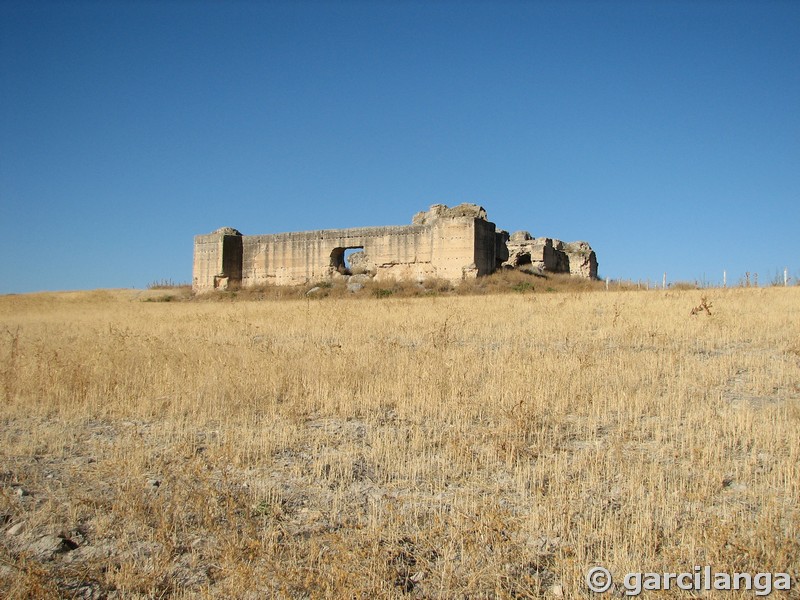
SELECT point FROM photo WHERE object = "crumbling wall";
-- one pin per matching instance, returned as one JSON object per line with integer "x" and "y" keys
{"x": 296, "y": 258}
{"x": 441, "y": 211}
{"x": 547, "y": 255}
{"x": 449, "y": 243}
{"x": 582, "y": 259}
{"x": 532, "y": 254}
{"x": 217, "y": 260}
{"x": 361, "y": 264}
{"x": 485, "y": 244}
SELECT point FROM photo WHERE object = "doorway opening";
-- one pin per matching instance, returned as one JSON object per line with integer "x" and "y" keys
{"x": 339, "y": 259}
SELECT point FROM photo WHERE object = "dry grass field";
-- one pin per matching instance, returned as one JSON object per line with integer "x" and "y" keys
{"x": 487, "y": 446}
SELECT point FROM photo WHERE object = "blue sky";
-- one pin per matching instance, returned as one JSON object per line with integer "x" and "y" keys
{"x": 667, "y": 134}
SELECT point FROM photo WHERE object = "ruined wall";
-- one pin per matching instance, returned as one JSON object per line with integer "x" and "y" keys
{"x": 217, "y": 260}
{"x": 296, "y": 258}
{"x": 485, "y": 244}
{"x": 582, "y": 259}
{"x": 549, "y": 255}
{"x": 448, "y": 243}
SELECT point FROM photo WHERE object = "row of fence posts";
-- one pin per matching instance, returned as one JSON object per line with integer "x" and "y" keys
{"x": 724, "y": 280}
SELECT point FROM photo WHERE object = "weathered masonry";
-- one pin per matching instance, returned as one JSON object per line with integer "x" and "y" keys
{"x": 448, "y": 243}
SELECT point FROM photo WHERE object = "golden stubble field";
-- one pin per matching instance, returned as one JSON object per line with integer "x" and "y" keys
{"x": 444, "y": 447}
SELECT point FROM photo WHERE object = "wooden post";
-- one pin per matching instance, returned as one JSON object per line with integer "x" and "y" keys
{"x": 785, "y": 277}
{"x": 724, "y": 279}
{"x": 664, "y": 281}
{"x": 606, "y": 283}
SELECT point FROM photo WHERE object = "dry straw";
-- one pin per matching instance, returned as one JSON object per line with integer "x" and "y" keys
{"x": 491, "y": 446}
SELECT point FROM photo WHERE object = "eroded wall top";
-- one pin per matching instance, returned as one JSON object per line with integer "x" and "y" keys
{"x": 439, "y": 211}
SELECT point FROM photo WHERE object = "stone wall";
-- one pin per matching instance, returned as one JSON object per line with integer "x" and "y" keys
{"x": 217, "y": 260}
{"x": 448, "y": 243}
{"x": 296, "y": 258}
{"x": 544, "y": 255}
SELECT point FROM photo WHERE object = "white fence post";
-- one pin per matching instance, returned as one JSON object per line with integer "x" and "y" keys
{"x": 724, "y": 279}
{"x": 785, "y": 277}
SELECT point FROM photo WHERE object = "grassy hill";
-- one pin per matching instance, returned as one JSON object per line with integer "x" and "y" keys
{"x": 443, "y": 446}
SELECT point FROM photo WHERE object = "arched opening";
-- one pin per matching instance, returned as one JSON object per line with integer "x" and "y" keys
{"x": 349, "y": 252}
{"x": 339, "y": 259}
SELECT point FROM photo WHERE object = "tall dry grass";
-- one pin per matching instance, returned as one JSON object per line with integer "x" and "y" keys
{"x": 490, "y": 446}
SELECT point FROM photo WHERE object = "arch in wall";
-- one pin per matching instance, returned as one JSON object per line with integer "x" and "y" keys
{"x": 339, "y": 259}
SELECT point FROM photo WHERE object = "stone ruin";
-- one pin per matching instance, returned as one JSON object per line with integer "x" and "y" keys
{"x": 548, "y": 255}
{"x": 447, "y": 243}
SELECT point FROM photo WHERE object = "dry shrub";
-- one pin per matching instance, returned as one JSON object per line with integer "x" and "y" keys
{"x": 703, "y": 307}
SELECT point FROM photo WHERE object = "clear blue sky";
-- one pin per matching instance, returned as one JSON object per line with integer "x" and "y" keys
{"x": 667, "y": 134}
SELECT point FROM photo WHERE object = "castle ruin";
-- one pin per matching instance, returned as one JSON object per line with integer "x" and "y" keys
{"x": 446, "y": 243}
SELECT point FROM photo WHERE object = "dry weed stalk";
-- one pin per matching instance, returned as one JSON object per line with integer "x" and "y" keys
{"x": 704, "y": 306}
